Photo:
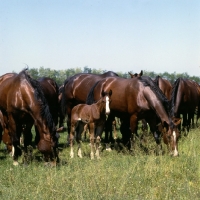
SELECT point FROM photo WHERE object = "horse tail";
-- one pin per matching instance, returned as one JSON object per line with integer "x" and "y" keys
{"x": 39, "y": 95}
{"x": 90, "y": 97}
{"x": 173, "y": 96}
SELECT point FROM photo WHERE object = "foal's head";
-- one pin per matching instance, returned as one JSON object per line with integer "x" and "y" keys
{"x": 106, "y": 100}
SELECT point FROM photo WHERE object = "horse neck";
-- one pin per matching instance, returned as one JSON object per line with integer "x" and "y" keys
{"x": 157, "y": 105}
{"x": 100, "y": 106}
{"x": 179, "y": 96}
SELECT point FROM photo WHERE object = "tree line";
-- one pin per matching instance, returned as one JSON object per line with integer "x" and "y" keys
{"x": 61, "y": 75}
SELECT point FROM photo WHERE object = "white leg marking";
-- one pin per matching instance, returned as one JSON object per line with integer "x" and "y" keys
{"x": 13, "y": 151}
{"x": 80, "y": 153}
{"x": 72, "y": 153}
{"x": 175, "y": 149}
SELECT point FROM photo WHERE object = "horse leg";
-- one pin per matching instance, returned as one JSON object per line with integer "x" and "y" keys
{"x": 98, "y": 133}
{"x": 126, "y": 132}
{"x": 27, "y": 143}
{"x": 92, "y": 129}
{"x": 184, "y": 124}
{"x": 14, "y": 135}
{"x": 79, "y": 131}
{"x": 71, "y": 137}
{"x": 133, "y": 126}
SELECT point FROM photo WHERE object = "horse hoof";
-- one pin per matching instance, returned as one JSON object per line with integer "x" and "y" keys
{"x": 15, "y": 163}
{"x": 108, "y": 149}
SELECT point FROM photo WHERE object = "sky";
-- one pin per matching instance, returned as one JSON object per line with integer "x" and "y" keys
{"x": 118, "y": 35}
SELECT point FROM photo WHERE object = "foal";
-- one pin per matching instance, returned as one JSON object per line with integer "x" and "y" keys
{"x": 94, "y": 114}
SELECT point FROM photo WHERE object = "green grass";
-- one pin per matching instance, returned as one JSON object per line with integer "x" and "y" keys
{"x": 118, "y": 175}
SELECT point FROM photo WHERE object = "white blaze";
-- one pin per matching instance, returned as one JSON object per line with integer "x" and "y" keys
{"x": 107, "y": 105}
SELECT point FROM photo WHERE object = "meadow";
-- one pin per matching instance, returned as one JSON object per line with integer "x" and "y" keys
{"x": 119, "y": 174}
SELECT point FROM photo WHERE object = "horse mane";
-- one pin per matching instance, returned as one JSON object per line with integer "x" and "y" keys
{"x": 173, "y": 97}
{"x": 156, "y": 80}
{"x": 90, "y": 97}
{"x": 38, "y": 93}
{"x": 147, "y": 81}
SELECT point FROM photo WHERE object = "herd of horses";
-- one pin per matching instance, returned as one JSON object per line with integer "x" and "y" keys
{"x": 96, "y": 101}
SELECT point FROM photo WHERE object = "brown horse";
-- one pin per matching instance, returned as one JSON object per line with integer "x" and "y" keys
{"x": 22, "y": 100}
{"x": 50, "y": 90}
{"x": 87, "y": 114}
{"x": 135, "y": 99}
{"x": 185, "y": 99}
{"x": 76, "y": 90}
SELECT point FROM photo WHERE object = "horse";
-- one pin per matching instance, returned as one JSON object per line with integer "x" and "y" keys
{"x": 87, "y": 114}
{"x": 22, "y": 101}
{"x": 50, "y": 90}
{"x": 185, "y": 98}
{"x": 135, "y": 99}
{"x": 76, "y": 89}
{"x": 111, "y": 121}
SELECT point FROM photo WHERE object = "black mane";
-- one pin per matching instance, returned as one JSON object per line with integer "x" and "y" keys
{"x": 174, "y": 94}
{"x": 156, "y": 80}
{"x": 147, "y": 81}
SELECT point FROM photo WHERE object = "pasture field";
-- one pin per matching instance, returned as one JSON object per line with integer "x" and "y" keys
{"x": 117, "y": 175}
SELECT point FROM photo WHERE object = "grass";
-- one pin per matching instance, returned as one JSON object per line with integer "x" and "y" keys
{"x": 118, "y": 175}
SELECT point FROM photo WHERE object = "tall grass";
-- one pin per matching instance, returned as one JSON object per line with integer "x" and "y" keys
{"x": 118, "y": 175}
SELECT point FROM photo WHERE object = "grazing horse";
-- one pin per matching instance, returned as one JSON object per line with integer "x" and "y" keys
{"x": 135, "y": 99}
{"x": 76, "y": 89}
{"x": 87, "y": 114}
{"x": 50, "y": 90}
{"x": 22, "y": 101}
{"x": 185, "y": 99}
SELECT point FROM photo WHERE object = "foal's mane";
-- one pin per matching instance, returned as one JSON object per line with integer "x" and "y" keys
{"x": 147, "y": 81}
{"x": 38, "y": 93}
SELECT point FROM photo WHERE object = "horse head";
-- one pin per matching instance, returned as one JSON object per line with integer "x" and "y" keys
{"x": 171, "y": 135}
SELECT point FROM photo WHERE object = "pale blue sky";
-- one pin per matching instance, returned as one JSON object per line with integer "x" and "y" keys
{"x": 117, "y": 35}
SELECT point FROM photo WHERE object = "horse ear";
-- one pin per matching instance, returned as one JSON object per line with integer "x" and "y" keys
{"x": 110, "y": 92}
{"x": 176, "y": 121}
{"x": 141, "y": 73}
{"x": 102, "y": 93}
{"x": 132, "y": 75}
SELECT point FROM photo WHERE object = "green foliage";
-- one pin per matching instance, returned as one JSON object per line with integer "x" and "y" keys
{"x": 118, "y": 175}
{"x": 61, "y": 75}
